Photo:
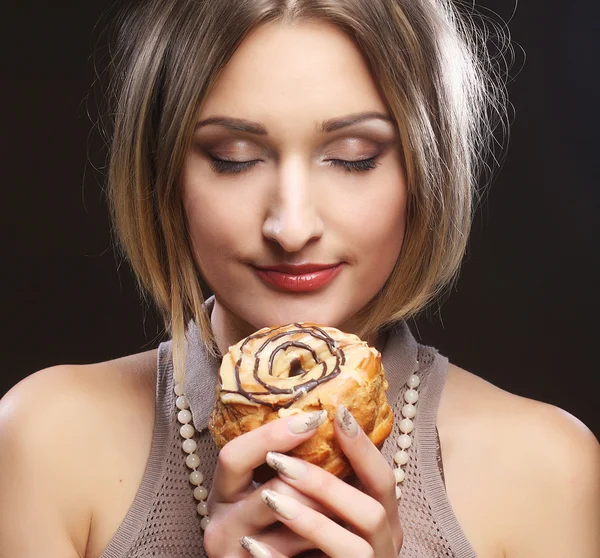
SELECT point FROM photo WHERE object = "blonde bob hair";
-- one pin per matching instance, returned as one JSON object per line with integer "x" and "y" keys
{"x": 429, "y": 61}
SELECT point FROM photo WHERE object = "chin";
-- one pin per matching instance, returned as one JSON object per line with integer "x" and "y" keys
{"x": 281, "y": 310}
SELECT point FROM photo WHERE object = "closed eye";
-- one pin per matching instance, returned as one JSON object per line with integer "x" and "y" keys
{"x": 361, "y": 165}
{"x": 224, "y": 166}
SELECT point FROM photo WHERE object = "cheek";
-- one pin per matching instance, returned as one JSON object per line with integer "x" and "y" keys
{"x": 386, "y": 217}
{"x": 209, "y": 230}
{"x": 205, "y": 222}
{"x": 374, "y": 221}
{"x": 217, "y": 218}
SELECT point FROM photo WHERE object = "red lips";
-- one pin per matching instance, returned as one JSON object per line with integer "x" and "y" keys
{"x": 299, "y": 278}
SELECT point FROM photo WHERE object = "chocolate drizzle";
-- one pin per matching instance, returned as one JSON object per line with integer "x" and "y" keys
{"x": 296, "y": 367}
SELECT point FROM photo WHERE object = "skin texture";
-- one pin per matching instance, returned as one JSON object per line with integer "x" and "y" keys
{"x": 294, "y": 205}
{"x": 523, "y": 477}
{"x": 308, "y": 505}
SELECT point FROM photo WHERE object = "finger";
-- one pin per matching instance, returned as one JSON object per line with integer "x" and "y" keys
{"x": 250, "y": 516}
{"x": 239, "y": 457}
{"x": 370, "y": 466}
{"x": 285, "y": 541}
{"x": 322, "y": 531}
{"x": 365, "y": 514}
{"x": 253, "y": 516}
{"x": 258, "y": 549}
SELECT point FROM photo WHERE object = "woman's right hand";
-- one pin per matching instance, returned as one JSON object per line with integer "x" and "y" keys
{"x": 235, "y": 506}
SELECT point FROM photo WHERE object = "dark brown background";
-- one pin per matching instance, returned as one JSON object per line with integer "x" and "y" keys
{"x": 524, "y": 314}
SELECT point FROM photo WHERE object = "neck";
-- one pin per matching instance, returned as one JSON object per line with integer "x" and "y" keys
{"x": 229, "y": 328}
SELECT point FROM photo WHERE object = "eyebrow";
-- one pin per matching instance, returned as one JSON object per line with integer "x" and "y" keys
{"x": 327, "y": 126}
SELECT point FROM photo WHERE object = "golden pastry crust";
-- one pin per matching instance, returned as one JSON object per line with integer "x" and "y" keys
{"x": 310, "y": 368}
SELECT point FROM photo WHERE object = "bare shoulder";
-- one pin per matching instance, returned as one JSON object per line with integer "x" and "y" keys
{"x": 532, "y": 467}
{"x": 65, "y": 426}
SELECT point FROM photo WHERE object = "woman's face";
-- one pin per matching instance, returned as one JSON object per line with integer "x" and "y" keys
{"x": 293, "y": 189}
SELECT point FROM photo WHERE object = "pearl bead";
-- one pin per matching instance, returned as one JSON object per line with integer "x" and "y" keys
{"x": 182, "y": 402}
{"x": 200, "y": 493}
{"x": 177, "y": 380}
{"x": 187, "y": 431}
{"x": 192, "y": 461}
{"x": 413, "y": 382}
{"x": 401, "y": 457}
{"x": 406, "y": 426}
{"x": 399, "y": 474}
{"x": 184, "y": 416}
{"x": 189, "y": 446}
{"x": 409, "y": 411}
{"x": 411, "y": 396}
{"x": 178, "y": 389}
{"x": 404, "y": 441}
{"x": 196, "y": 478}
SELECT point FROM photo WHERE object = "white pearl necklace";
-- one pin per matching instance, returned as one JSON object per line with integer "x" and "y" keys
{"x": 409, "y": 412}
{"x": 187, "y": 431}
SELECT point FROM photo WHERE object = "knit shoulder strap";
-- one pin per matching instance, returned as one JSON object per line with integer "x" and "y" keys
{"x": 430, "y": 526}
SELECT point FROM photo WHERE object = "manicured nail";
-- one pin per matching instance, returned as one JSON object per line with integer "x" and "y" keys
{"x": 288, "y": 466}
{"x": 254, "y": 548}
{"x": 346, "y": 421}
{"x": 299, "y": 424}
{"x": 282, "y": 505}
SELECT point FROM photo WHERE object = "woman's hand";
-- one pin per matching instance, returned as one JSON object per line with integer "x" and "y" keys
{"x": 373, "y": 522}
{"x": 235, "y": 506}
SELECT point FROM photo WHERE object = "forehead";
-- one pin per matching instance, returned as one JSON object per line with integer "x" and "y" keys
{"x": 285, "y": 72}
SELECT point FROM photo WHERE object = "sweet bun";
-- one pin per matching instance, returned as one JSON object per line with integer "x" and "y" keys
{"x": 280, "y": 371}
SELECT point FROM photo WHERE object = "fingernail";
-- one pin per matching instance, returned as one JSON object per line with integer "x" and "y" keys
{"x": 346, "y": 421}
{"x": 299, "y": 424}
{"x": 288, "y": 466}
{"x": 282, "y": 505}
{"x": 254, "y": 548}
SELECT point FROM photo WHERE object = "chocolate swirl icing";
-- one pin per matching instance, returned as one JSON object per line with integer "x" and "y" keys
{"x": 288, "y": 341}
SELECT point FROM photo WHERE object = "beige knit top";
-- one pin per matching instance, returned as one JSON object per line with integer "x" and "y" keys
{"x": 162, "y": 521}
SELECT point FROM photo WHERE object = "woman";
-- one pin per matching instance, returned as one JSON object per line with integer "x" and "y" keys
{"x": 311, "y": 161}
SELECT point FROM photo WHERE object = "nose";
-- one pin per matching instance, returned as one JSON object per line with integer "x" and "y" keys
{"x": 293, "y": 218}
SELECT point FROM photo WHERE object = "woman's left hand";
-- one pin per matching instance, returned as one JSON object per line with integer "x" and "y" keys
{"x": 372, "y": 522}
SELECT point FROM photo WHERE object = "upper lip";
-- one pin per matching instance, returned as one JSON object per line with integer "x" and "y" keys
{"x": 297, "y": 269}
